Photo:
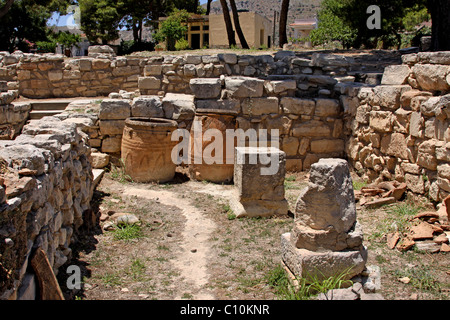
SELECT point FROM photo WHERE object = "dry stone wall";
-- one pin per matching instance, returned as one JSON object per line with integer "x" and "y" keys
{"x": 13, "y": 115}
{"x": 400, "y": 130}
{"x": 46, "y": 185}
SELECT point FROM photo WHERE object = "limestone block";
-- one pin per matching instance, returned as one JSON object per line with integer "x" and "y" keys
{"x": 290, "y": 145}
{"x": 416, "y": 125}
{"x": 260, "y": 106}
{"x": 298, "y": 106}
{"x": 395, "y": 145}
{"x": 206, "y": 88}
{"x": 440, "y": 57}
{"x": 395, "y": 75}
{"x": 99, "y": 160}
{"x": 114, "y": 109}
{"x": 25, "y": 156}
{"x": 407, "y": 96}
{"x": 228, "y": 104}
{"x": 111, "y": 127}
{"x": 244, "y": 87}
{"x": 55, "y": 75}
{"x": 327, "y": 108}
{"x": 415, "y": 183}
{"x": 229, "y": 58}
{"x": 321, "y": 265}
{"x": 283, "y": 85}
{"x": 147, "y": 106}
{"x": 259, "y": 181}
{"x": 152, "y": 70}
{"x": 381, "y": 121}
{"x": 327, "y": 146}
{"x": 178, "y": 106}
{"x": 111, "y": 145}
{"x": 432, "y": 77}
{"x": 313, "y": 128}
{"x": 328, "y": 202}
{"x": 388, "y": 96}
{"x": 363, "y": 114}
{"x": 426, "y": 156}
{"x": 149, "y": 83}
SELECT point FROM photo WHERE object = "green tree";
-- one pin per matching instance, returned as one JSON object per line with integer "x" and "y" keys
{"x": 173, "y": 28}
{"x": 100, "y": 19}
{"x": 331, "y": 27}
{"x": 26, "y": 20}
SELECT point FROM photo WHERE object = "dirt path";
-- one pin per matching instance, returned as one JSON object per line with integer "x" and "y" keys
{"x": 192, "y": 258}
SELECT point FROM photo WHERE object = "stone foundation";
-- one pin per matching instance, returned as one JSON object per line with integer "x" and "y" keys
{"x": 46, "y": 186}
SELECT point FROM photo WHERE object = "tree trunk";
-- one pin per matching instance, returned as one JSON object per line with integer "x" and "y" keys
{"x": 4, "y": 10}
{"x": 440, "y": 12}
{"x": 237, "y": 25}
{"x": 283, "y": 22}
{"x": 228, "y": 24}
{"x": 208, "y": 7}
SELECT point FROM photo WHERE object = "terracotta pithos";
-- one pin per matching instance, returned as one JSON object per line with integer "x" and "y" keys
{"x": 208, "y": 168}
{"x": 146, "y": 149}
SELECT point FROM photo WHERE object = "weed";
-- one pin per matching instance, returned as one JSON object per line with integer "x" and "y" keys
{"x": 118, "y": 173}
{"x": 358, "y": 185}
{"x": 128, "y": 232}
{"x": 420, "y": 278}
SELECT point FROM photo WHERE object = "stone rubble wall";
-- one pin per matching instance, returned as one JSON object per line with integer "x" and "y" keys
{"x": 52, "y": 75}
{"x": 309, "y": 129}
{"x": 46, "y": 185}
{"x": 400, "y": 130}
{"x": 12, "y": 115}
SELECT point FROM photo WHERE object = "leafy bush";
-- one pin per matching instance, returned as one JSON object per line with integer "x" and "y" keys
{"x": 181, "y": 44}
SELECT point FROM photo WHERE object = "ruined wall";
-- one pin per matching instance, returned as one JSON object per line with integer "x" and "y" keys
{"x": 46, "y": 185}
{"x": 50, "y": 75}
{"x": 401, "y": 129}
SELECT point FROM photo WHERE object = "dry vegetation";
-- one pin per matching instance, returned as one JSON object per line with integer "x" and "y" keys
{"x": 244, "y": 254}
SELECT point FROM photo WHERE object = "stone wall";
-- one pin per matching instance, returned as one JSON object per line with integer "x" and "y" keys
{"x": 309, "y": 128}
{"x": 50, "y": 75}
{"x": 12, "y": 115}
{"x": 46, "y": 185}
{"x": 400, "y": 130}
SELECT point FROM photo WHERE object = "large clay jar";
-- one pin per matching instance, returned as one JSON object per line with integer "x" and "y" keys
{"x": 147, "y": 147}
{"x": 205, "y": 170}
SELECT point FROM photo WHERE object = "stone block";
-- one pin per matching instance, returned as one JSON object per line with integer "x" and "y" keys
{"x": 229, "y": 104}
{"x": 388, "y": 96}
{"x": 298, "y": 106}
{"x": 244, "y": 87}
{"x": 381, "y": 121}
{"x": 114, "y": 109}
{"x": 147, "y": 106}
{"x": 432, "y": 77}
{"x": 313, "y": 128}
{"x": 328, "y": 146}
{"x": 259, "y": 182}
{"x": 111, "y": 145}
{"x": 283, "y": 85}
{"x": 395, "y": 75}
{"x": 327, "y": 108}
{"x": 260, "y": 106}
{"x": 205, "y": 88}
{"x": 395, "y": 145}
{"x": 152, "y": 70}
{"x": 99, "y": 160}
{"x": 111, "y": 127}
{"x": 178, "y": 106}
{"x": 321, "y": 265}
{"x": 149, "y": 83}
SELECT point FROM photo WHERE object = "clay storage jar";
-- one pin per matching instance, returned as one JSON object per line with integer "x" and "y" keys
{"x": 212, "y": 119}
{"x": 147, "y": 147}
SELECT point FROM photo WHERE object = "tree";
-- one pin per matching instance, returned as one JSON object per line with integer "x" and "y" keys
{"x": 331, "y": 27}
{"x": 100, "y": 19}
{"x": 208, "y": 7}
{"x": 237, "y": 25}
{"x": 172, "y": 29}
{"x": 5, "y": 8}
{"x": 228, "y": 24}
{"x": 283, "y": 22}
{"x": 440, "y": 29}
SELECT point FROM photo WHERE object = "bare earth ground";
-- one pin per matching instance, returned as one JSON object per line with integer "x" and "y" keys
{"x": 192, "y": 247}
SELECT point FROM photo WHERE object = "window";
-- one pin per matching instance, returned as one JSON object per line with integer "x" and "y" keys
{"x": 195, "y": 28}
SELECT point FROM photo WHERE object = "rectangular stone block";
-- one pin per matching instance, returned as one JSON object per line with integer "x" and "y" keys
{"x": 114, "y": 109}
{"x": 259, "y": 181}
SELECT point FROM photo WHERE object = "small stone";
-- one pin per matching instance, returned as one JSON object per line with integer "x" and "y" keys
{"x": 392, "y": 239}
{"x": 194, "y": 250}
{"x": 404, "y": 280}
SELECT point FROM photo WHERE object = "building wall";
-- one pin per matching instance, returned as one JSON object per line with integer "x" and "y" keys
{"x": 251, "y": 25}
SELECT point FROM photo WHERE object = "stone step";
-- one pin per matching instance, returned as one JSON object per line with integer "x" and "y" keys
{"x": 49, "y": 105}
{"x": 98, "y": 175}
{"x": 39, "y": 114}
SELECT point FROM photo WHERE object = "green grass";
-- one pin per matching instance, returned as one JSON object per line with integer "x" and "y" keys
{"x": 128, "y": 232}
{"x": 420, "y": 278}
{"x": 308, "y": 287}
{"x": 358, "y": 185}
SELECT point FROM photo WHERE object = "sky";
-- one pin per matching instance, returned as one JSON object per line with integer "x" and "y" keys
{"x": 68, "y": 20}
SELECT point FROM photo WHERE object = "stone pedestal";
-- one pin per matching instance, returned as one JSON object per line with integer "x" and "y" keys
{"x": 326, "y": 239}
{"x": 259, "y": 182}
